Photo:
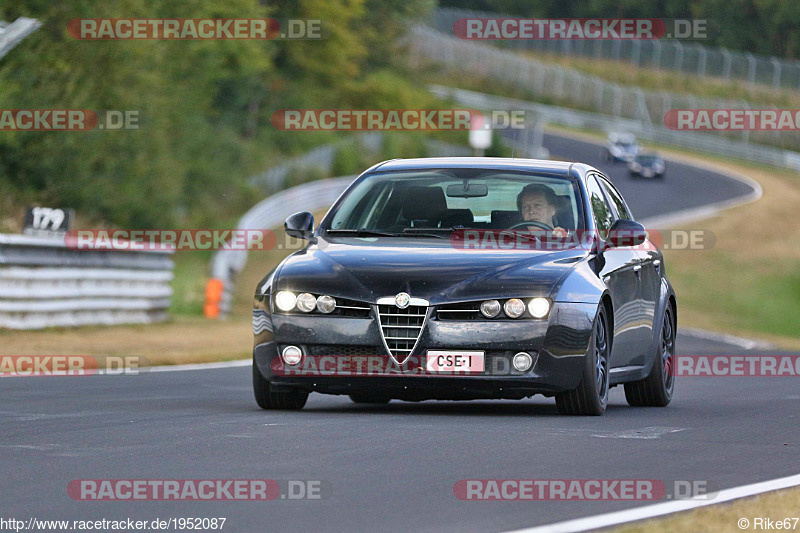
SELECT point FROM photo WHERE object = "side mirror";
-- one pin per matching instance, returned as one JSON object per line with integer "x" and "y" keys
{"x": 626, "y": 233}
{"x": 300, "y": 225}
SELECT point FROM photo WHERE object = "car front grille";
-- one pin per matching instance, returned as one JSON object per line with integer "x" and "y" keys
{"x": 460, "y": 311}
{"x": 354, "y": 308}
{"x": 401, "y": 328}
{"x": 342, "y": 350}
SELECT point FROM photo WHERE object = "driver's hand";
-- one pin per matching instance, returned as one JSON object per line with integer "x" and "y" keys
{"x": 560, "y": 232}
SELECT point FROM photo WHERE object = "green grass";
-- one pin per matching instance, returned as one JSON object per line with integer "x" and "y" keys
{"x": 741, "y": 293}
{"x": 192, "y": 270}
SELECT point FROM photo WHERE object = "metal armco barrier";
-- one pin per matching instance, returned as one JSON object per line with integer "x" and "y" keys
{"x": 11, "y": 34}
{"x": 43, "y": 283}
{"x": 267, "y": 214}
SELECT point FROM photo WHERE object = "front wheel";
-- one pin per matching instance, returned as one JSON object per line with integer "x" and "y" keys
{"x": 656, "y": 389}
{"x": 591, "y": 396}
{"x": 266, "y": 398}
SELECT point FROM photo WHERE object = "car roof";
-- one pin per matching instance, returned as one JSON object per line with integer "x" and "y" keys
{"x": 543, "y": 166}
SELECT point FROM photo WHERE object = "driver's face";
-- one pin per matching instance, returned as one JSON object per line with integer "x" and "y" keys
{"x": 536, "y": 208}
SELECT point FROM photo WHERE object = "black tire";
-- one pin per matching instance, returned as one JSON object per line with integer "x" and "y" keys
{"x": 591, "y": 396}
{"x": 656, "y": 389}
{"x": 365, "y": 397}
{"x": 269, "y": 399}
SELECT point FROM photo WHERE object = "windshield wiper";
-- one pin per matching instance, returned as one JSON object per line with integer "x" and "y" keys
{"x": 362, "y": 232}
{"x": 427, "y": 232}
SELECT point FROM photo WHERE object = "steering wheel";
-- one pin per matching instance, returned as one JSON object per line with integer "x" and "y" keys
{"x": 526, "y": 223}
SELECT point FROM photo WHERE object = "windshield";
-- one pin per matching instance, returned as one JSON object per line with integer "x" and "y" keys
{"x": 442, "y": 200}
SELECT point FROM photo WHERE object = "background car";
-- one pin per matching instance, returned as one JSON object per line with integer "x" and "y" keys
{"x": 621, "y": 147}
{"x": 647, "y": 166}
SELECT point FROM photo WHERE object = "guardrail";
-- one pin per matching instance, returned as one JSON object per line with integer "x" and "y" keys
{"x": 267, "y": 214}
{"x": 11, "y": 34}
{"x": 44, "y": 283}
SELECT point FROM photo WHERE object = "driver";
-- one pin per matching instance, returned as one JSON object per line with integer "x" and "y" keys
{"x": 537, "y": 203}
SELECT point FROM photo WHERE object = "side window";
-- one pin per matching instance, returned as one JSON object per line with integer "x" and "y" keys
{"x": 616, "y": 199}
{"x": 603, "y": 216}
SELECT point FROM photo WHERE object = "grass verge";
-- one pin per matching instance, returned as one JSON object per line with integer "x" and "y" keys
{"x": 724, "y": 518}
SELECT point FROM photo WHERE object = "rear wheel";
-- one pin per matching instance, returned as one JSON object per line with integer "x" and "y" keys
{"x": 591, "y": 396}
{"x": 656, "y": 389}
{"x": 369, "y": 398}
{"x": 266, "y": 398}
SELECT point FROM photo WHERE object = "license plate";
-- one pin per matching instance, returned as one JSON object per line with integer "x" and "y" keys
{"x": 460, "y": 362}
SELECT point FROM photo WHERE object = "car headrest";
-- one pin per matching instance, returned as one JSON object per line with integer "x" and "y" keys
{"x": 504, "y": 219}
{"x": 564, "y": 216}
{"x": 424, "y": 203}
{"x": 457, "y": 217}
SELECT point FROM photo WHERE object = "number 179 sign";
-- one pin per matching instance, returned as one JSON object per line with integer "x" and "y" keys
{"x": 48, "y": 219}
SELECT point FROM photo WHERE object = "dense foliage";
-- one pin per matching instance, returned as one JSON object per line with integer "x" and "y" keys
{"x": 205, "y": 105}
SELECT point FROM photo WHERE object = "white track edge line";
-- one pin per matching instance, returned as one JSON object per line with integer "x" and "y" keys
{"x": 661, "y": 509}
{"x": 727, "y": 338}
{"x": 198, "y": 366}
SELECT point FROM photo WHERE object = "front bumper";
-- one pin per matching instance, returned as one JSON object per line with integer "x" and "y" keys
{"x": 558, "y": 345}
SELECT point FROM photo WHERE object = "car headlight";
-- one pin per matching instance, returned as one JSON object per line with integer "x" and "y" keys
{"x": 326, "y": 304}
{"x": 285, "y": 300}
{"x": 490, "y": 308}
{"x": 306, "y": 302}
{"x": 514, "y": 307}
{"x": 539, "y": 307}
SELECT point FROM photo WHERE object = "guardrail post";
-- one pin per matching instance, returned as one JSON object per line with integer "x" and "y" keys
{"x": 727, "y": 61}
{"x": 776, "y": 73}
{"x": 751, "y": 67}
{"x": 701, "y": 61}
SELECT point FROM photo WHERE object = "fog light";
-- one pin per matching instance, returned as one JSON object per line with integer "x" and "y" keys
{"x": 306, "y": 302}
{"x": 522, "y": 361}
{"x": 490, "y": 308}
{"x": 514, "y": 307}
{"x": 539, "y": 307}
{"x": 326, "y": 304}
{"x": 292, "y": 355}
{"x": 285, "y": 300}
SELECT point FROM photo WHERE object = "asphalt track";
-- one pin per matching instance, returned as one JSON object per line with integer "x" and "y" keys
{"x": 393, "y": 467}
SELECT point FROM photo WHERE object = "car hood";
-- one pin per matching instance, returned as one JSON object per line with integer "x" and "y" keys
{"x": 370, "y": 268}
